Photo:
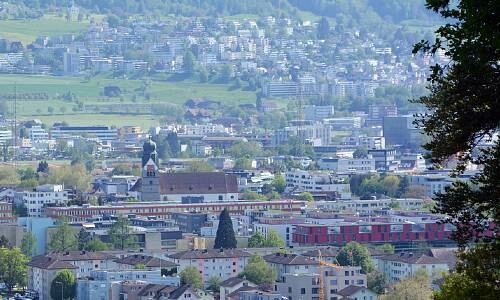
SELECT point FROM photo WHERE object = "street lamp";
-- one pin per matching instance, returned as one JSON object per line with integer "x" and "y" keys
{"x": 62, "y": 289}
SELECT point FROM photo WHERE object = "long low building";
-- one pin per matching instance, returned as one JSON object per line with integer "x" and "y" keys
{"x": 163, "y": 209}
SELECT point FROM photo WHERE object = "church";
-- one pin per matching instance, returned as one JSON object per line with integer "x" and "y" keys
{"x": 189, "y": 187}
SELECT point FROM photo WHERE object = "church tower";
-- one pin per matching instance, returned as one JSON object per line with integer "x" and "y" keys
{"x": 150, "y": 184}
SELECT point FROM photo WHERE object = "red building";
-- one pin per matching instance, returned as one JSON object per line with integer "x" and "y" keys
{"x": 310, "y": 234}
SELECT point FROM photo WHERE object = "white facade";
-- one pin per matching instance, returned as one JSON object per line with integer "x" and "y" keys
{"x": 43, "y": 195}
{"x": 210, "y": 264}
{"x": 368, "y": 206}
{"x": 37, "y": 133}
{"x": 285, "y": 231}
{"x": 317, "y": 182}
{"x": 399, "y": 268}
{"x": 347, "y": 165}
{"x": 5, "y": 136}
{"x": 318, "y": 113}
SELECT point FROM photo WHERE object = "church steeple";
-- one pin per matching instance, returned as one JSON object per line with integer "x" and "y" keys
{"x": 150, "y": 184}
{"x": 149, "y": 152}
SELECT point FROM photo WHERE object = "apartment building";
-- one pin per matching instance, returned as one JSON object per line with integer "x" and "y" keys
{"x": 43, "y": 196}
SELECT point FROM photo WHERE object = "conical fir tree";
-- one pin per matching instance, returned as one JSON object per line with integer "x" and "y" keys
{"x": 225, "y": 238}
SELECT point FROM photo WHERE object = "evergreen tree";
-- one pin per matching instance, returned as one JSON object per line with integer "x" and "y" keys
{"x": 4, "y": 242}
{"x": 43, "y": 167}
{"x": 188, "y": 63}
{"x": 225, "y": 238}
{"x": 323, "y": 28}
{"x": 83, "y": 237}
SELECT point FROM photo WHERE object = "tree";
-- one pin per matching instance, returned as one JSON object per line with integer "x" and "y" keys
{"x": 360, "y": 152}
{"x": 196, "y": 166}
{"x": 4, "y": 242}
{"x": 258, "y": 271}
{"x": 96, "y": 245}
{"x": 323, "y": 28}
{"x": 226, "y": 73}
{"x": 355, "y": 254}
{"x": 213, "y": 283}
{"x": 63, "y": 286}
{"x": 225, "y": 238}
{"x": 28, "y": 244}
{"x": 376, "y": 281}
{"x": 257, "y": 240}
{"x": 243, "y": 164}
{"x": 191, "y": 275}
{"x": 279, "y": 184}
{"x": 387, "y": 248}
{"x": 306, "y": 196}
{"x": 416, "y": 288}
{"x": 43, "y": 167}
{"x": 82, "y": 238}
{"x": 463, "y": 110}
{"x": 72, "y": 176}
{"x": 273, "y": 239}
{"x": 13, "y": 267}
{"x": 120, "y": 234}
{"x": 62, "y": 238}
{"x": 188, "y": 63}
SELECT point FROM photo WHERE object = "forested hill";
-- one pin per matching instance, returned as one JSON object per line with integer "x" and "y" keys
{"x": 346, "y": 12}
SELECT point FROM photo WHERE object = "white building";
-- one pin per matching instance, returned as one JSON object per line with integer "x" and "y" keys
{"x": 401, "y": 265}
{"x": 347, "y": 165}
{"x": 223, "y": 263}
{"x": 290, "y": 263}
{"x": 37, "y": 133}
{"x": 43, "y": 195}
{"x": 5, "y": 136}
{"x": 104, "y": 133}
{"x": 318, "y": 113}
{"x": 368, "y": 206}
{"x": 317, "y": 182}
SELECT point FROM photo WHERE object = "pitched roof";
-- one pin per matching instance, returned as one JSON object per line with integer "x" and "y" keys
{"x": 209, "y": 253}
{"x": 146, "y": 260}
{"x": 156, "y": 289}
{"x": 445, "y": 255}
{"x": 350, "y": 290}
{"x": 289, "y": 259}
{"x": 60, "y": 260}
{"x": 410, "y": 258}
{"x": 230, "y": 282}
{"x": 48, "y": 263}
{"x": 243, "y": 289}
{"x": 325, "y": 252}
{"x": 194, "y": 183}
{"x": 177, "y": 293}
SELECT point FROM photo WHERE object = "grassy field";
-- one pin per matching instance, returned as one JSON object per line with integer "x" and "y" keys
{"x": 28, "y": 30}
{"x": 89, "y": 92}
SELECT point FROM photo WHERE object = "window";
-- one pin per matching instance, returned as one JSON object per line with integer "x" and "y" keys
{"x": 346, "y": 282}
{"x": 220, "y": 197}
{"x": 289, "y": 289}
{"x": 346, "y": 273}
{"x": 303, "y": 291}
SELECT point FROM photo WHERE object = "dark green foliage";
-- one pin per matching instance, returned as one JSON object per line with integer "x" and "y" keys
{"x": 82, "y": 238}
{"x": 323, "y": 28}
{"x": 376, "y": 281}
{"x": 188, "y": 62}
{"x": 4, "y": 242}
{"x": 464, "y": 108}
{"x": 43, "y": 167}
{"x": 225, "y": 238}
{"x": 63, "y": 286}
{"x": 258, "y": 271}
{"x": 355, "y": 254}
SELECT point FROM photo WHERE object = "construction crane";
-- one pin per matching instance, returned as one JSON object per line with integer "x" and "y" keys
{"x": 322, "y": 274}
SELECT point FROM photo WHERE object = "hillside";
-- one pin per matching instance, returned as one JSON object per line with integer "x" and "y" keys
{"x": 346, "y": 12}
